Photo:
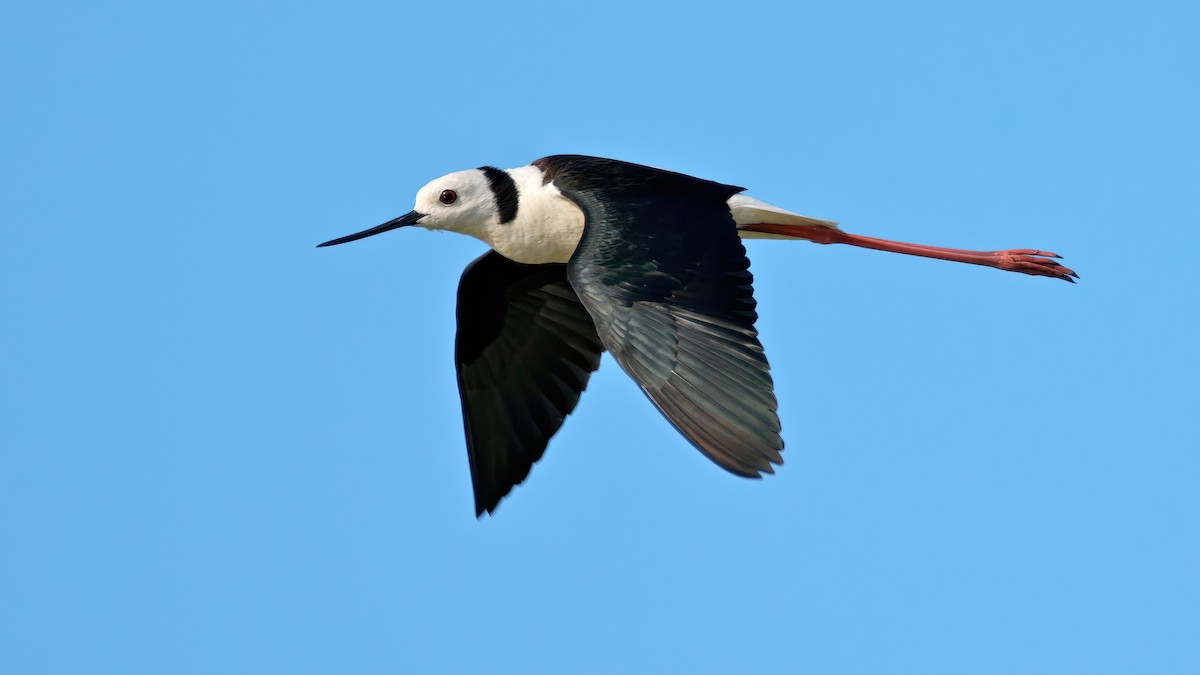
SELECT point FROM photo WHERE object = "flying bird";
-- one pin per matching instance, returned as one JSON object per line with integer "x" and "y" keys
{"x": 590, "y": 254}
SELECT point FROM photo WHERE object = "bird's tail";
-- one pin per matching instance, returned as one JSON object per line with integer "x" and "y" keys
{"x": 771, "y": 222}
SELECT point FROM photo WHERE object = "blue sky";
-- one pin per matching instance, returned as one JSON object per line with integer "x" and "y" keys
{"x": 223, "y": 450}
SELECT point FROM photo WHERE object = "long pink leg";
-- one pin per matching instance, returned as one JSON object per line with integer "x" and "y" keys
{"x": 1025, "y": 260}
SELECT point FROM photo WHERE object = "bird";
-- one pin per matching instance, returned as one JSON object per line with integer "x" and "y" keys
{"x": 589, "y": 255}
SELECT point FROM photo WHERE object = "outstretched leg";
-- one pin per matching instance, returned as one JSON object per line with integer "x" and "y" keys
{"x": 1025, "y": 260}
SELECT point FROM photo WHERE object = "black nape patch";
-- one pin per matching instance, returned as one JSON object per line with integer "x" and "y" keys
{"x": 504, "y": 192}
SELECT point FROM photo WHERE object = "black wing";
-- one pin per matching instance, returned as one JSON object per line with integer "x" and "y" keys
{"x": 524, "y": 351}
{"x": 664, "y": 275}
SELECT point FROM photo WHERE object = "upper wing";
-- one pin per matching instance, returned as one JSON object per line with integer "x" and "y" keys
{"x": 664, "y": 275}
{"x": 524, "y": 350}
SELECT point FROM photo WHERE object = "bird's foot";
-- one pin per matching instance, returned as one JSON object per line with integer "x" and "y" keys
{"x": 1032, "y": 261}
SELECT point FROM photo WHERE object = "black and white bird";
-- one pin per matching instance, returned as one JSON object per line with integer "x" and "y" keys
{"x": 592, "y": 254}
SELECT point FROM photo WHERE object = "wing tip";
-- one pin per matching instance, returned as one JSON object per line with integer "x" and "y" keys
{"x": 745, "y": 462}
{"x": 489, "y": 503}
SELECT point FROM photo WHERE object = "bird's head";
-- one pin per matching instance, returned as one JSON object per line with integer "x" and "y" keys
{"x": 457, "y": 202}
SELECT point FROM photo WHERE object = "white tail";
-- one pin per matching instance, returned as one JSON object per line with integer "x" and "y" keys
{"x": 747, "y": 210}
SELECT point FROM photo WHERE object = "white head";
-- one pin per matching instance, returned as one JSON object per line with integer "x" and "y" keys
{"x": 458, "y": 202}
{"x": 463, "y": 201}
{"x": 516, "y": 212}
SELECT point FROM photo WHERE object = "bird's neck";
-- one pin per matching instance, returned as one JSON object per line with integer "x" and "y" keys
{"x": 547, "y": 227}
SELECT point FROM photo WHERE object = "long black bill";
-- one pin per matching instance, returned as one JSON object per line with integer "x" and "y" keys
{"x": 409, "y": 218}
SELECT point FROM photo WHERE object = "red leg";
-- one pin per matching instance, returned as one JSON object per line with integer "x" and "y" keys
{"x": 1025, "y": 260}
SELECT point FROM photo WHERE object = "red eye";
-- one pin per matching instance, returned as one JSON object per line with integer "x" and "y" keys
{"x": 448, "y": 196}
